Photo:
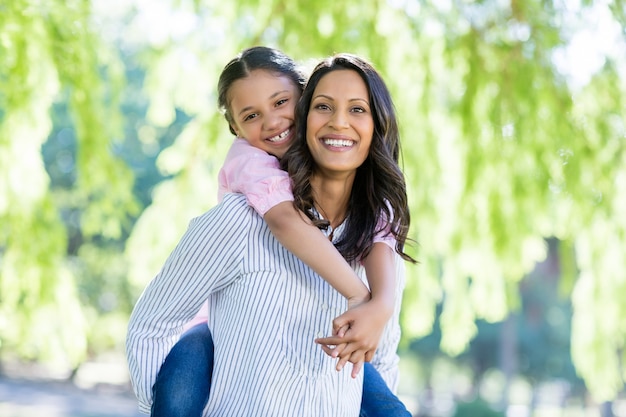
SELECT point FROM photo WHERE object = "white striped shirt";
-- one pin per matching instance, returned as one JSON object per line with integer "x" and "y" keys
{"x": 266, "y": 308}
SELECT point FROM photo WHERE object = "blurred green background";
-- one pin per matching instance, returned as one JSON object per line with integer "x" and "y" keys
{"x": 514, "y": 147}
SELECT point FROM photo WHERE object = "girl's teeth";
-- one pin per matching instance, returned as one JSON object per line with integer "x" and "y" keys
{"x": 280, "y": 136}
{"x": 338, "y": 143}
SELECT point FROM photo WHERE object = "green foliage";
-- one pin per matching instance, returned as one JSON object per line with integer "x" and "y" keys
{"x": 46, "y": 48}
{"x": 500, "y": 150}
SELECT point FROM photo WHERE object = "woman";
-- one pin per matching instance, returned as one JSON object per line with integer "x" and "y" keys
{"x": 265, "y": 305}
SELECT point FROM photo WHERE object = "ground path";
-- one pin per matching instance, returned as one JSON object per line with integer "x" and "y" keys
{"x": 28, "y": 398}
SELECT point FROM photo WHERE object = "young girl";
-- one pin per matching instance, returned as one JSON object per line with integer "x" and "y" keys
{"x": 258, "y": 92}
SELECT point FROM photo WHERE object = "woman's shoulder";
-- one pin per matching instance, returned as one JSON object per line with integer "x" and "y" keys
{"x": 233, "y": 208}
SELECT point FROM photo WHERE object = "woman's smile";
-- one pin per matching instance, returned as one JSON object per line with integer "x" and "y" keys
{"x": 338, "y": 143}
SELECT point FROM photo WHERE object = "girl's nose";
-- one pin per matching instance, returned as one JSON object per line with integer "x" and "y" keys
{"x": 272, "y": 121}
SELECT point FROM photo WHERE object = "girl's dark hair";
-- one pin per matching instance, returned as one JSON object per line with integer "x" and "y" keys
{"x": 255, "y": 58}
{"x": 379, "y": 188}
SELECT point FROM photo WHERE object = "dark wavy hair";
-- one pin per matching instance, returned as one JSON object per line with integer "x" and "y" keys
{"x": 248, "y": 60}
{"x": 379, "y": 188}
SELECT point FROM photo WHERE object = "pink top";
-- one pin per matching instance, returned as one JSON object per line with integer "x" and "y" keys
{"x": 256, "y": 174}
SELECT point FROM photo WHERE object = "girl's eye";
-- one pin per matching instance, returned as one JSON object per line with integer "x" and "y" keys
{"x": 249, "y": 117}
{"x": 281, "y": 102}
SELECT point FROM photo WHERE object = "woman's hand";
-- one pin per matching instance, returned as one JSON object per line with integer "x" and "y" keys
{"x": 356, "y": 334}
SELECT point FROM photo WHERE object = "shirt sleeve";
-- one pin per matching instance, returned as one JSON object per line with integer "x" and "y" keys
{"x": 256, "y": 174}
{"x": 207, "y": 259}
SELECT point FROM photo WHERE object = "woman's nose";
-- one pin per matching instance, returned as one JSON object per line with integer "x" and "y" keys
{"x": 339, "y": 120}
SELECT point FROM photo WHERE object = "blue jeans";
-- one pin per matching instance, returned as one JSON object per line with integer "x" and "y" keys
{"x": 183, "y": 385}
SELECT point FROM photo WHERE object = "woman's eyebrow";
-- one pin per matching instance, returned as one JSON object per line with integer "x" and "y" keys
{"x": 360, "y": 99}
{"x": 323, "y": 96}
{"x": 364, "y": 100}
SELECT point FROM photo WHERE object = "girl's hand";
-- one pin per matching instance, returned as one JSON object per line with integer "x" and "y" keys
{"x": 353, "y": 302}
{"x": 356, "y": 334}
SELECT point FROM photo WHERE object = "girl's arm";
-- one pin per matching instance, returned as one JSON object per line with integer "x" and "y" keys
{"x": 381, "y": 276}
{"x": 296, "y": 233}
{"x": 257, "y": 175}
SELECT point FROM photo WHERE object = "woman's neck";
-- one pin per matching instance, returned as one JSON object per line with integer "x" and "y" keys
{"x": 331, "y": 198}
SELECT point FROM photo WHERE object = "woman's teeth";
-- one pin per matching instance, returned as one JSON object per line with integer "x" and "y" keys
{"x": 338, "y": 143}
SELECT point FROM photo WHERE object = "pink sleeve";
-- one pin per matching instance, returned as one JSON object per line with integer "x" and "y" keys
{"x": 256, "y": 174}
{"x": 384, "y": 235}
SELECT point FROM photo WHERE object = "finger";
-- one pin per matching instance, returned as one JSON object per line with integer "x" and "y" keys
{"x": 333, "y": 340}
{"x": 369, "y": 355}
{"x": 334, "y": 351}
{"x": 342, "y": 331}
{"x": 328, "y": 350}
{"x": 339, "y": 350}
{"x": 350, "y": 336}
{"x": 345, "y": 350}
{"x": 342, "y": 362}
{"x": 342, "y": 321}
{"x": 356, "y": 368}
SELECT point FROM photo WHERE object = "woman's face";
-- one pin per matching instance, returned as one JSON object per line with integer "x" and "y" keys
{"x": 262, "y": 106}
{"x": 340, "y": 123}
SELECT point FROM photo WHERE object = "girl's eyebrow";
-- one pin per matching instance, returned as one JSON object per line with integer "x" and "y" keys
{"x": 245, "y": 109}
{"x": 279, "y": 92}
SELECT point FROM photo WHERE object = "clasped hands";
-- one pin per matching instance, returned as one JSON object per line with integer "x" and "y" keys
{"x": 356, "y": 334}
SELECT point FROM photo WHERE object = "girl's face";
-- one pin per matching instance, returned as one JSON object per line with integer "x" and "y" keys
{"x": 262, "y": 106}
{"x": 340, "y": 123}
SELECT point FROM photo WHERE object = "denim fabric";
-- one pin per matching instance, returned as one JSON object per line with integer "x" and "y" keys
{"x": 183, "y": 385}
{"x": 378, "y": 400}
{"x": 184, "y": 381}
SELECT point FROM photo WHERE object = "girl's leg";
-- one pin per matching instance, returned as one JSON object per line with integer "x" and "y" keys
{"x": 184, "y": 380}
{"x": 378, "y": 400}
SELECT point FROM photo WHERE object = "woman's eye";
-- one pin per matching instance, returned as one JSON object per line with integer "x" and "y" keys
{"x": 358, "y": 109}
{"x": 322, "y": 107}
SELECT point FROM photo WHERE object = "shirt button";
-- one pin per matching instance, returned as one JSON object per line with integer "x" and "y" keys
{"x": 324, "y": 307}
{"x": 320, "y": 334}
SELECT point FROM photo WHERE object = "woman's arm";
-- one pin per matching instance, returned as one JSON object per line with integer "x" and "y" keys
{"x": 296, "y": 233}
{"x": 207, "y": 257}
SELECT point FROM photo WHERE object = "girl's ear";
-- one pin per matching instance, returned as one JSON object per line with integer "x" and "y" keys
{"x": 232, "y": 126}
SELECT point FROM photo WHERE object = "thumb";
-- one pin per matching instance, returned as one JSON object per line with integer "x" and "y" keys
{"x": 342, "y": 321}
